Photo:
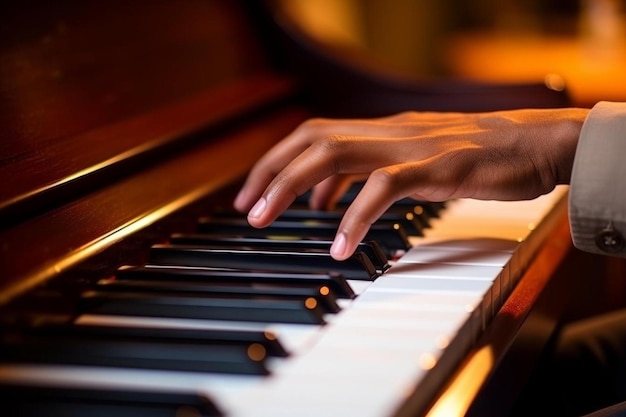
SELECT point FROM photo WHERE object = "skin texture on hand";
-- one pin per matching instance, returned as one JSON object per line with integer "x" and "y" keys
{"x": 504, "y": 155}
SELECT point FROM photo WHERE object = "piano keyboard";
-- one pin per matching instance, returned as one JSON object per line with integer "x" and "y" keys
{"x": 306, "y": 336}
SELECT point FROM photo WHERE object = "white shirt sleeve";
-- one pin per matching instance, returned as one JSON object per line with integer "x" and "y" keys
{"x": 597, "y": 199}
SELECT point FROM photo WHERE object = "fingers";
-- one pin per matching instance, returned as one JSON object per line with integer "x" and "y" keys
{"x": 397, "y": 126}
{"x": 266, "y": 169}
{"x": 326, "y": 194}
{"x": 306, "y": 170}
{"x": 305, "y": 160}
{"x": 322, "y": 159}
{"x": 373, "y": 200}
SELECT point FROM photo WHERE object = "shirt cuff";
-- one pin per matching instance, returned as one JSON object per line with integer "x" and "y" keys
{"x": 597, "y": 196}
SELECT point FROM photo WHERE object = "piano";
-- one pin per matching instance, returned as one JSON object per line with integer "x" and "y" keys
{"x": 129, "y": 287}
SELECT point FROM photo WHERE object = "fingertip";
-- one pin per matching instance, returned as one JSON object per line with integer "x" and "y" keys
{"x": 339, "y": 247}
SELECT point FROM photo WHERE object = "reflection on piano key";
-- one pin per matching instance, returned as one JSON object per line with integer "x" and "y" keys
{"x": 266, "y": 309}
{"x": 136, "y": 352}
{"x": 252, "y": 278}
{"x": 321, "y": 294}
{"x": 358, "y": 266}
{"x": 371, "y": 249}
{"x": 392, "y": 239}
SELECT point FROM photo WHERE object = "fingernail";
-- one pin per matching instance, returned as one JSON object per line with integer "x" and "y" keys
{"x": 338, "y": 247}
{"x": 257, "y": 210}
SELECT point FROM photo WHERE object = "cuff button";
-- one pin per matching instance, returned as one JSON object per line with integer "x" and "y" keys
{"x": 610, "y": 240}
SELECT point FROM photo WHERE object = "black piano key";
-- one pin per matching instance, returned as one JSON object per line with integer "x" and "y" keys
{"x": 336, "y": 282}
{"x": 133, "y": 352}
{"x": 54, "y": 401}
{"x": 371, "y": 249}
{"x": 323, "y": 295}
{"x": 392, "y": 238}
{"x": 44, "y": 326}
{"x": 431, "y": 208}
{"x": 261, "y": 309}
{"x": 357, "y": 266}
{"x": 408, "y": 220}
{"x": 424, "y": 210}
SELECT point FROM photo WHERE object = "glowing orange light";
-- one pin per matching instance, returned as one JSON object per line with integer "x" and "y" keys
{"x": 256, "y": 352}
{"x": 443, "y": 342}
{"x": 428, "y": 361}
{"x": 458, "y": 396}
{"x": 310, "y": 303}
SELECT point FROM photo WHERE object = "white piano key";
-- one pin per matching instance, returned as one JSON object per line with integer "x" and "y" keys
{"x": 333, "y": 382}
{"x": 511, "y": 220}
{"x": 359, "y": 394}
{"x": 469, "y": 244}
{"x": 359, "y": 287}
{"x": 382, "y": 299}
{"x": 477, "y": 286}
{"x": 476, "y": 257}
{"x": 441, "y": 270}
{"x": 404, "y": 319}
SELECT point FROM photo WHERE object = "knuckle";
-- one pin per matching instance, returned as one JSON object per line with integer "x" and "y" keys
{"x": 390, "y": 181}
{"x": 330, "y": 144}
{"x": 331, "y": 148}
{"x": 385, "y": 177}
{"x": 312, "y": 125}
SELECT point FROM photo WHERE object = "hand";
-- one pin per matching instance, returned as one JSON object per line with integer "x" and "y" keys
{"x": 504, "y": 155}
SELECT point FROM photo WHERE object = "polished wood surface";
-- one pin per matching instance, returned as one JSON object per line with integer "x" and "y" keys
{"x": 86, "y": 86}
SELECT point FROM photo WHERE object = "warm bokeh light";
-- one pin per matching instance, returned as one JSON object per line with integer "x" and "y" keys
{"x": 443, "y": 342}
{"x": 579, "y": 45}
{"x": 256, "y": 352}
{"x": 589, "y": 61}
{"x": 457, "y": 398}
{"x": 427, "y": 361}
{"x": 310, "y": 303}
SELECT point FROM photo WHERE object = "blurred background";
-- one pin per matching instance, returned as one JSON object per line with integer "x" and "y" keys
{"x": 577, "y": 43}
